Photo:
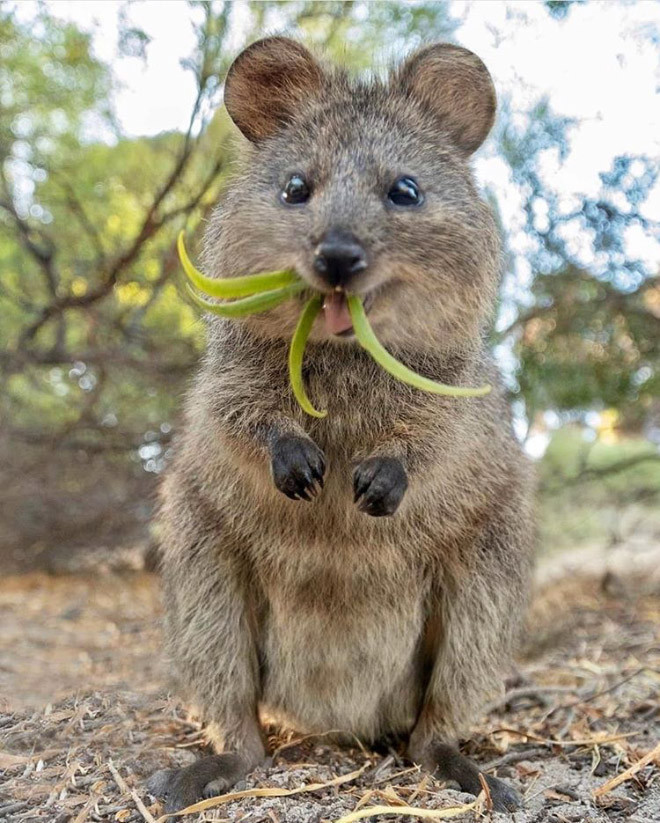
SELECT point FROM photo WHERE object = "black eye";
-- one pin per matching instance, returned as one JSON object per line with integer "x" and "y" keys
{"x": 405, "y": 192}
{"x": 296, "y": 190}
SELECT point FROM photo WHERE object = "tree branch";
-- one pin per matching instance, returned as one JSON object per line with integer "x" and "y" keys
{"x": 151, "y": 224}
{"x": 44, "y": 257}
{"x": 589, "y": 473}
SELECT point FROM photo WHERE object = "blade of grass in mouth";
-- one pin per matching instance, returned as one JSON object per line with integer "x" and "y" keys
{"x": 297, "y": 351}
{"x": 254, "y": 304}
{"x": 368, "y": 340}
{"x": 233, "y": 286}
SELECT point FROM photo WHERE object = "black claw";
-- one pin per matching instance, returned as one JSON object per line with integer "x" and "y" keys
{"x": 450, "y": 764}
{"x": 307, "y": 479}
{"x": 505, "y": 798}
{"x": 297, "y": 466}
{"x": 379, "y": 484}
{"x": 359, "y": 490}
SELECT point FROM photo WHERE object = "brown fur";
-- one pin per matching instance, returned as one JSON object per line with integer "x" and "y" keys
{"x": 390, "y": 625}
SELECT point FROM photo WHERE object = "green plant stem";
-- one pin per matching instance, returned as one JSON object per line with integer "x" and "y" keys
{"x": 229, "y": 287}
{"x": 368, "y": 340}
{"x": 248, "y": 305}
{"x": 297, "y": 351}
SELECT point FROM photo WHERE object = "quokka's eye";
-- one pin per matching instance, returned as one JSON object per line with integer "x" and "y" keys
{"x": 296, "y": 190}
{"x": 405, "y": 192}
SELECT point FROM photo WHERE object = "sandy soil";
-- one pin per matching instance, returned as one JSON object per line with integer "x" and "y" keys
{"x": 86, "y": 715}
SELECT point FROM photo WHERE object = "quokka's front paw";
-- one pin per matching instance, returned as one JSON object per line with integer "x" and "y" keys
{"x": 379, "y": 484}
{"x": 297, "y": 465}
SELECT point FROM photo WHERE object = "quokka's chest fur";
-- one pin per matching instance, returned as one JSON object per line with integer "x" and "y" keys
{"x": 446, "y": 439}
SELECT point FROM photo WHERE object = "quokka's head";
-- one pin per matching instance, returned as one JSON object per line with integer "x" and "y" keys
{"x": 362, "y": 187}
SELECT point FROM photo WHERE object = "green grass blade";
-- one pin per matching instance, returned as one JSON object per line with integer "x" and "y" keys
{"x": 368, "y": 340}
{"x": 233, "y": 286}
{"x": 297, "y": 351}
{"x": 248, "y": 305}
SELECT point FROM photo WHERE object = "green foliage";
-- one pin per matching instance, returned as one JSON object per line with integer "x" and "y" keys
{"x": 590, "y": 335}
{"x": 352, "y": 33}
{"x": 560, "y": 9}
{"x": 49, "y": 82}
{"x": 623, "y": 469}
{"x": 590, "y": 345}
{"x": 594, "y": 491}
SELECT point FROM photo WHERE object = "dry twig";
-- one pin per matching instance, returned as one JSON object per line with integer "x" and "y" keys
{"x": 485, "y": 790}
{"x": 410, "y": 811}
{"x": 515, "y": 757}
{"x": 125, "y": 789}
{"x": 212, "y": 802}
{"x": 654, "y": 754}
{"x": 586, "y": 741}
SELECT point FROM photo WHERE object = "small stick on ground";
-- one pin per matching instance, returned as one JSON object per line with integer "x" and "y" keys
{"x": 609, "y": 689}
{"x": 125, "y": 789}
{"x": 410, "y": 811}
{"x": 654, "y": 754}
{"x": 388, "y": 778}
{"x": 485, "y": 788}
{"x": 382, "y": 766}
{"x": 82, "y": 814}
{"x": 587, "y": 741}
{"x": 515, "y": 757}
{"x": 421, "y": 787}
{"x": 526, "y": 691}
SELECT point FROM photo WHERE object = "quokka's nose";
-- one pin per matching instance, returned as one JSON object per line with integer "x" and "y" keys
{"x": 339, "y": 257}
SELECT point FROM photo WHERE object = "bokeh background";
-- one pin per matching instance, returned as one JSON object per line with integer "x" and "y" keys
{"x": 113, "y": 138}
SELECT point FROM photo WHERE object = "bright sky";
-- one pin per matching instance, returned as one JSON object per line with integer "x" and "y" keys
{"x": 599, "y": 64}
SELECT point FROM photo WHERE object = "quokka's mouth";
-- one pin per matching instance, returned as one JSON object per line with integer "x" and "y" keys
{"x": 336, "y": 315}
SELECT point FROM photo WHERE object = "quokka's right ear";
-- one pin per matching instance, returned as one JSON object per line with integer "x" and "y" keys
{"x": 267, "y": 82}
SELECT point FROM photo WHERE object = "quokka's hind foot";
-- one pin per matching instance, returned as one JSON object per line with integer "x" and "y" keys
{"x": 447, "y": 762}
{"x": 207, "y": 777}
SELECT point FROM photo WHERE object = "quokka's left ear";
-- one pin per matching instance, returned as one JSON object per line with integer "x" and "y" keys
{"x": 454, "y": 84}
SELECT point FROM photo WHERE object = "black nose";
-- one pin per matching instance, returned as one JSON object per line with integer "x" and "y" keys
{"x": 339, "y": 257}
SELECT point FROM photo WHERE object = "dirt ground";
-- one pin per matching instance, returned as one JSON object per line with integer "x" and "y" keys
{"x": 85, "y": 715}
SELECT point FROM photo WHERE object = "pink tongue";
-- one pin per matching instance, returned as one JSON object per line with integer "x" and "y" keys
{"x": 335, "y": 311}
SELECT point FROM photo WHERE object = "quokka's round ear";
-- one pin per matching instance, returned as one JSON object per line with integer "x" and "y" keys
{"x": 454, "y": 84}
{"x": 267, "y": 82}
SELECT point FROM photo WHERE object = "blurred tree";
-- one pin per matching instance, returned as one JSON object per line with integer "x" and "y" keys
{"x": 95, "y": 344}
{"x": 587, "y": 335}
{"x": 560, "y": 9}
{"x": 95, "y": 341}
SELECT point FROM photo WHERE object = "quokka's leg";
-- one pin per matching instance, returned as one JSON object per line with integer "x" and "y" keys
{"x": 477, "y": 623}
{"x": 210, "y": 633}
